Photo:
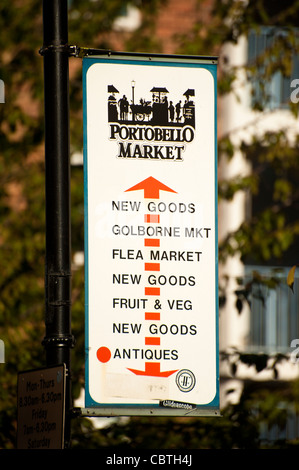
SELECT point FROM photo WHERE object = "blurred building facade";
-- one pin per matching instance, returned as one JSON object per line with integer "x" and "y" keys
{"x": 270, "y": 325}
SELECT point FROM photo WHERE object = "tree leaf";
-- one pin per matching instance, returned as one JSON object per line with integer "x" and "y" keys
{"x": 291, "y": 278}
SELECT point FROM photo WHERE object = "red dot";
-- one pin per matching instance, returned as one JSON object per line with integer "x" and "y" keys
{"x": 103, "y": 354}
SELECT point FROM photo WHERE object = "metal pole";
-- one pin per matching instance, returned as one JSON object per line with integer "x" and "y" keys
{"x": 58, "y": 339}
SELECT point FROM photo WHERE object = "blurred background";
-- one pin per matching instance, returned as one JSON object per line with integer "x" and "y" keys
{"x": 257, "y": 43}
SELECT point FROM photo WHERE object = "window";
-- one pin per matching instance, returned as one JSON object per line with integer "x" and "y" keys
{"x": 274, "y": 310}
{"x": 275, "y": 93}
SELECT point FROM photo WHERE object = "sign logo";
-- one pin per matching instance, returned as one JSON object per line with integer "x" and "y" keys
{"x": 185, "y": 380}
{"x": 155, "y": 129}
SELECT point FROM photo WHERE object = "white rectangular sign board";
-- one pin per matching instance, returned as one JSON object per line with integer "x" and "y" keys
{"x": 151, "y": 255}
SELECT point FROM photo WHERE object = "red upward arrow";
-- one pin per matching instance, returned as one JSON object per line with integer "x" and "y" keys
{"x": 151, "y": 188}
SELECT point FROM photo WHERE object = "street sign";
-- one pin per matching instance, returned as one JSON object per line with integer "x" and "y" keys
{"x": 41, "y": 397}
{"x": 151, "y": 234}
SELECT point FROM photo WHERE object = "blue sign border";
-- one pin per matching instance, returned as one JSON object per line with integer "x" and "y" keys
{"x": 99, "y": 409}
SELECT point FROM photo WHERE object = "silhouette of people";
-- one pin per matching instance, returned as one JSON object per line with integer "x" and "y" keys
{"x": 123, "y": 107}
{"x": 171, "y": 111}
{"x": 161, "y": 110}
{"x": 178, "y": 111}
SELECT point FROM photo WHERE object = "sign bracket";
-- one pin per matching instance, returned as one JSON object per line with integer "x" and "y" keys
{"x": 168, "y": 411}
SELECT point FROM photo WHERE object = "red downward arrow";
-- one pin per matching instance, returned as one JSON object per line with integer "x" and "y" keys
{"x": 151, "y": 188}
{"x": 153, "y": 369}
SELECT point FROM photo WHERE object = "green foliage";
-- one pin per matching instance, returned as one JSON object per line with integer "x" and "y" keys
{"x": 176, "y": 434}
{"x": 261, "y": 406}
{"x": 274, "y": 226}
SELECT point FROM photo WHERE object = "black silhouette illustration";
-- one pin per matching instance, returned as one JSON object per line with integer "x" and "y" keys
{"x": 156, "y": 112}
